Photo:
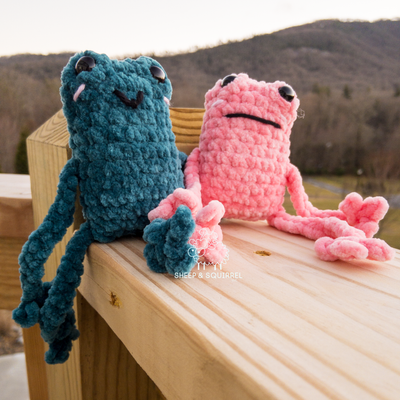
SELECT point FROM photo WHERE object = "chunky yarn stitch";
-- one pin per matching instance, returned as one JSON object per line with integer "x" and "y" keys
{"x": 125, "y": 161}
{"x": 243, "y": 162}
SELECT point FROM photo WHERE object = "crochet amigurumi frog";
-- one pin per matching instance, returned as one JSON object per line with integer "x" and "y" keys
{"x": 125, "y": 161}
{"x": 243, "y": 161}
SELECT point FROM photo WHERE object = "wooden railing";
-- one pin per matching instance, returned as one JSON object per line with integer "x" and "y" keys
{"x": 283, "y": 324}
{"x": 16, "y": 224}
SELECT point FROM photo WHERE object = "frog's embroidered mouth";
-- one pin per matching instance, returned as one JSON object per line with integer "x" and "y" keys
{"x": 262, "y": 120}
{"x": 131, "y": 103}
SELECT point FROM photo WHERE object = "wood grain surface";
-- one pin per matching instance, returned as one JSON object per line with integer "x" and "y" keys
{"x": 10, "y": 286}
{"x": 287, "y": 326}
{"x": 108, "y": 370}
{"x": 290, "y": 326}
{"x": 186, "y": 124}
{"x": 16, "y": 216}
{"x": 35, "y": 365}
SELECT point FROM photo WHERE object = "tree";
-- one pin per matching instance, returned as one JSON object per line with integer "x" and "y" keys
{"x": 347, "y": 92}
{"x": 21, "y": 157}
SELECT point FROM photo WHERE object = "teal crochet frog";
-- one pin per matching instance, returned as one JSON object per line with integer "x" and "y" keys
{"x": 125, "y": 161}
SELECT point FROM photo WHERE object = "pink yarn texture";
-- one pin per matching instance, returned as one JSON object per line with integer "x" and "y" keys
{"x": 242, "y": 167}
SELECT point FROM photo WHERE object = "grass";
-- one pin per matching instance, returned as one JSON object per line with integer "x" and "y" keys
{"x": 363, "y": 185}
{"x": 390, "y": 228}
{"x": 320, "y": 198}
{"x": 324, "y": 199}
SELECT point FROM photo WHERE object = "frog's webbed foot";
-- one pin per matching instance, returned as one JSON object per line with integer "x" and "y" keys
{"x": 155, "y": 236}
{"x": 31, "y": 260}
{"x": 27, "y": 314}
{"x": 61, "y": 345}
{"x": 335, "y": 238}
{"x": 353, "y": 248}
{"x": 167, "y": 248}
{"x": 364, "y": 214}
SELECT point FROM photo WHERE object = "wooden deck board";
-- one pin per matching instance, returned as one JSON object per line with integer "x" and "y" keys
{"x": 291, "y": 326}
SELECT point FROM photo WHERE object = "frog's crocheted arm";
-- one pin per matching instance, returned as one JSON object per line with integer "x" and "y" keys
{"x": 361, "y": 214}
{"x": 299, "y": 198}
{"x": 207, "y": 218}
{"x": 40, "y": 244}
{"x": 190, "y": 197}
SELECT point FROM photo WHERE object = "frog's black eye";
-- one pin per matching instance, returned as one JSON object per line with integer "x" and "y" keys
{"x": 228, "y": 79}
{"x": 287, "y": 93}
{"x": 85, "y": 63}
{"x": 158, "y": 73}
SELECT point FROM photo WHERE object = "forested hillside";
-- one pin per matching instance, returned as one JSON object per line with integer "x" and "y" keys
{"x": 363, "y": 55}
{"x": 345, "y": 73}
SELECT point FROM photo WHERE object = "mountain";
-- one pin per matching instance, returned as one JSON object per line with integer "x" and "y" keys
{"x": 36, "y": 66}
{"x": 330, "y": 53}
{"x": 318, "y": 59}
{"x": 363, "y": 55}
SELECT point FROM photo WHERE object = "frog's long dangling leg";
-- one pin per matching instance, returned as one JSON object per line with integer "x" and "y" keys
{"x": 57, "y": 319}
{"x": 335, "y": 238}
{"x": 40, "y": 244}
{"x": 362, "y": 214}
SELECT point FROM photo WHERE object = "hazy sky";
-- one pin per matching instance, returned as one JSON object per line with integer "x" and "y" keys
{"x": 119, "y": 27}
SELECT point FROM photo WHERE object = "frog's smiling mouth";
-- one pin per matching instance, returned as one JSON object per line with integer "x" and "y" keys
{"x": 262, "y": 120}
{"x": 131, "y": 103}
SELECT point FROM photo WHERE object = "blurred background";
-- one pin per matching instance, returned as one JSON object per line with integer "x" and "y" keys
{"x": 342, "y": 59}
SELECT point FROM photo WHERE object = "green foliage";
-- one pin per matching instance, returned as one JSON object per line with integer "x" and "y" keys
{"x": 332, "y": 53}
{"x": 325, "y": 62}
{"x": 321, "y": 90}
{"x": 342, "y": 137}
{"x": 25, "y": 103}
{"x": 21, "y": 157}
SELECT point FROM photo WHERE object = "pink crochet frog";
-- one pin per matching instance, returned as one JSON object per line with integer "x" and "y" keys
{"x": 243, "y": 162}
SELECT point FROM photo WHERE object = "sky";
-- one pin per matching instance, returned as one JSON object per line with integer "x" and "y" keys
{"x": 121, "y": 27}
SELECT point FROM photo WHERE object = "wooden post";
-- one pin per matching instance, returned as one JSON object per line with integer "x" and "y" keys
{"x": 186, "y": 125}
{"x": 16, "y": 224}
{"x": 35, "y": 365}
{"x": 109, "y": 371}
